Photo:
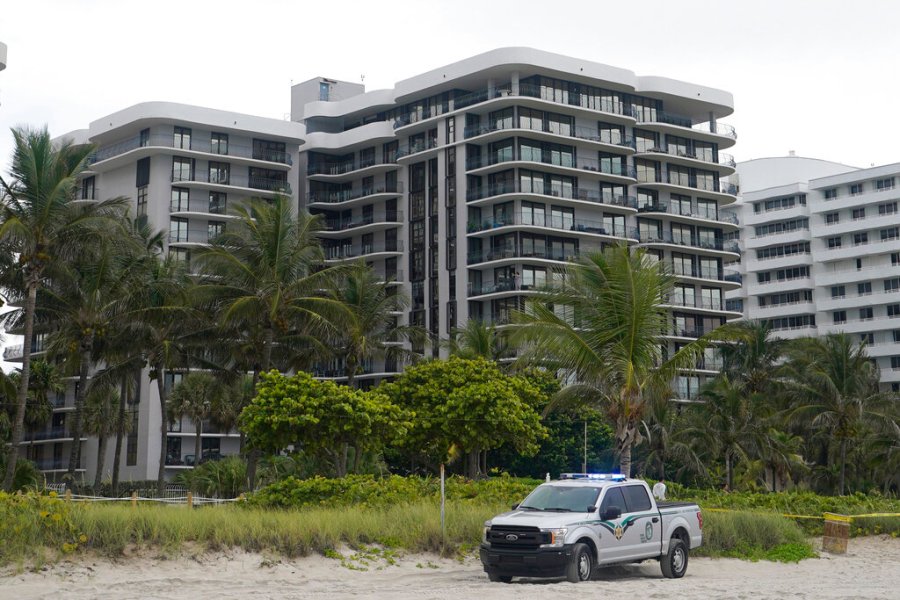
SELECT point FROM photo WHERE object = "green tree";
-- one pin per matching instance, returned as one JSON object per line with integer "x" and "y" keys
{"x": 725, "y": 423}
{"x": 197, "y": 396}
{"x": 44, "y": 227}
{"x": 834, "y": 387}
{"x": 667, "y": 440}
{"x": 320, "y": 416}
{"x": 606, "y": 328}
{"x": 100, "y": 408}
{"x": 469, "y": 405}
{"x": 477, "y": 339}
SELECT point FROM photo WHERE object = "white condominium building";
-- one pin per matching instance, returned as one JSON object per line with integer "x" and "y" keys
{"x": 821, "y": 252}
{"x": 181, "y": 166}
{"x": 468, "y": 184}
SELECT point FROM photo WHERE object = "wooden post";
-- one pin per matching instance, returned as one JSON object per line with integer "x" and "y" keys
{"x": 68, "y": 495}
{"x": 133, "y": 499}
{"x": 443, "y": 502}
{"x": 190, "y": 500}
{"x": 837, "y": 532}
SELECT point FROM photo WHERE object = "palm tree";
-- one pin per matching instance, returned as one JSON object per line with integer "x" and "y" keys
{"x": 834, "y": 387}
{"x": 196, "y": 397}
{"x": 43, "y": 225}
{"x": 604, "y": 326}
{"x": 366, "y": 328}
{"x": 751, "y": 361}
{"x": 666, "y": 438}
{"x": 263, "y": 279}
{"x": 99, "y": 419}
{"x": 477, "y": 339}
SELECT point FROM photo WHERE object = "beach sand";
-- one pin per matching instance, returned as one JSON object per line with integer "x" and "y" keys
{"x": 870, "y": 569}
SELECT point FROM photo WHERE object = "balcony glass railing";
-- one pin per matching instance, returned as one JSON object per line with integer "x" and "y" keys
{"x": 357, "y": 250}
{"x": 416, "y": 147}
{"x": 561, "y": 254}
{"x": 567, "y": 161}
{"x": 723, "y": 159}
{"x": 706, "y": 273}
{"x": 168, "y": 141}
{"x": 326, "y": 168}
{"x": 280, "y": 186}
{"x": 666, "y": 237}
{"x": 335, "y": 196}
{"x": 675, "y": 209}
{"x": 341, "y": 224}
{"x": 556, "y": 191}
{"x": 565, "y": 223}
{"x": 688, "y": 302}
{"x": 603, "y": 136}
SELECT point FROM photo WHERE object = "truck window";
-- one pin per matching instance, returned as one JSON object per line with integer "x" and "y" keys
{"x": 613, "y": 497}
{"x": 636, "y": 498}
{"x": 561, "y": 497}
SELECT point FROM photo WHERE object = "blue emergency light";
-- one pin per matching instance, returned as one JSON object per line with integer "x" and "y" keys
{"x": 599, "y": 476}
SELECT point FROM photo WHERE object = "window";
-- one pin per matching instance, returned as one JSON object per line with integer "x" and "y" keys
{"x": 864, "y": 289}
{"x": 181, "y": 255}
{"x": 892, "y": 285}
{"x": 142, "y": 172}
{"x": 783, "y": 250}
{"x": 182, "y": 169}
{"x": 831, "y": 194}
{"x": 636, "y": 498}
{"x": 324, "y": 90}
{"x": 215, "y": 229}
{"x": 891, "y": 233}
{"x": 893, "y": 310}
{"x": 832, "y": 218}
{"x": 895, "y": 362}
{"x": 856, "y": 189}
{"x": 178, "y": 230}
{"x": 884, "y": 184}
{"x": 217, "y": 203}
{"x": 179, "y": 201}
{"x": 896, "y": 335}
{"x": 860, "y": 238}
{"x": 612, "y": 497}
{"x": 219, "y": 172}
{"x": 865, "y": 313}
{"x": 144, "y": 138}
{"x": 218, "y": 143}
{"x": 895, "y": 259}
{"x": 182, "y": 138}
{"x": 838, "y": 291}
{"x": 834, "y": 242}
{"x": 867, "y": 338}
{"x": 839, "y": 316}
{"x": 88, "y": 189}
{"x": 888, "y": 208}
{"x": 142, "y": 201}
{"x": 859, "y": 213}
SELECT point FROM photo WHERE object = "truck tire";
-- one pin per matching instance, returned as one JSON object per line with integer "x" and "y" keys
{"x": 499, "y": 578}
{"x": 581, "y": 567}
{"x": 674, "y": 563}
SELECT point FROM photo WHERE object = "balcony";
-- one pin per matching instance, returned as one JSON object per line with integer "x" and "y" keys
{"x": 343, "y": 168}
{"x": 563, "y": 223}
{"x": 703, "y": 303}
{"x": 339, "y": 196}
{"x": 54, "y": 464}
{"x": 349, "y": 252}
{"x": 537, "y": 188}
{"x": 699, "y": 158}
{"x": 168, "y": 141}
{"x": 415, "y": 148}
{"x": 56, "y": 433}
{"x": 278, "y": 186}
{"x": 675, "y": 209}
{"x": 392, "y": 217}
{"x": 710, "y": 273}
{"x": 667, "y": 237}
{"x": 559, "y": 255}
{"x": 605, "y": 167}
{"x": 689, "y": 181}
{"x": 589, "y": 134}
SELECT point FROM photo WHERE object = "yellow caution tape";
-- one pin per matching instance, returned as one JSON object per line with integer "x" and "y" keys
{"x": 875, "y": 515}
{"x": 827, "y": 516}
{"x": 838, "y": 518}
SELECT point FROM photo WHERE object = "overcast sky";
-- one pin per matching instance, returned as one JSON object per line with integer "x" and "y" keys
{"x": 819, "y": 77}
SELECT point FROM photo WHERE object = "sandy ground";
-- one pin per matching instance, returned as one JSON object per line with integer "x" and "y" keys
{"x": 871, "y": 569}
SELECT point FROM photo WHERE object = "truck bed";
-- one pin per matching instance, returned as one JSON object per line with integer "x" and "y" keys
{"x": 662, "y": 505}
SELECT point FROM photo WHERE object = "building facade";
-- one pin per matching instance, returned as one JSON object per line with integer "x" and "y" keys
{"x": 181, "y": 166}
{"x": 471, "y": 183}
{"x": 821, "y": 253}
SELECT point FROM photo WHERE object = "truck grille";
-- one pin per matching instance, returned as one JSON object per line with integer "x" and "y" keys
{"x": 512, "y": 536}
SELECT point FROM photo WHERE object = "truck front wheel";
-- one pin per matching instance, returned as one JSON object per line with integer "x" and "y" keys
{"x": 499, "y": 578}
{"x": 674, "y": 563}
{"x": 581, "y": 567}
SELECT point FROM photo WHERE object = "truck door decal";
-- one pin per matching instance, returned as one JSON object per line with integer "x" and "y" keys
{"x": 619, "y": 529}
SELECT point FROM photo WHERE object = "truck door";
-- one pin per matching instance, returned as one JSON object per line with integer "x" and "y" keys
{"x": 640, "y": 534}
{"x": 611, "y": 538}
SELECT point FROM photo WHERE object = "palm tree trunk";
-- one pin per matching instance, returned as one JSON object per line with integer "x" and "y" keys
{"x": 159, "y": 374}
{"x": 624, "y": 442}
{"x": 84, "y": 366}
{"x": 198, "y": 425}
{"x": 101, "y": 459}
{"x": 22, "y": 398}
{"x": 843, "y": 464}
{"x": 120, "y": 434}
{"x": 729, "y": 472}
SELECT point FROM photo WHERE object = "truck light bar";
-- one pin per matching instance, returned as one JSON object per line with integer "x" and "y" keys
{"x": 601, "y": 476}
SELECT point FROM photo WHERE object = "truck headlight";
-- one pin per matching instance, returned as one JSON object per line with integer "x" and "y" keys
{"x": 487, "y": 528}
{"x": 557, "y": 537}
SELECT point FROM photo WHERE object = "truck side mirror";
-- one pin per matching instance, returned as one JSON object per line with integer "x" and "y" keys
{"x": 514, "y": 506}
{"x": 611, "y": 512}
{"x": 591, "y": 508}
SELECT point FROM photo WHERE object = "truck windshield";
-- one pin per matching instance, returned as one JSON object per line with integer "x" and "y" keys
{"x": 561, "y": 498}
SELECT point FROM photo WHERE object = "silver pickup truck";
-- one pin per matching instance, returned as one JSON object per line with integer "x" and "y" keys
{"x": 583, "y": 521}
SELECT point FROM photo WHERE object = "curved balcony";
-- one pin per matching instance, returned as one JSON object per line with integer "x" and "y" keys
{"x": 715, "y": 246}
{"x": 355, "y": 251}
{"x": 416, "y": 148}
{"x": 561, "y": 194}
{"x": 362, "y": 223}
{"x": 722, "y": 162}
{"x": 722, "y": 190}
{"x": 338, "y": 171}
{"x": 346, "y": 198}
{"x": 698, "y": 303}
{"x": 251, "y": 185}
{"x": 516, "y": 254}
{"x": 604, "y": 139}
{"x": 596, "y": 169}
{"x": 530, "y": 221}
{"x": 713, "y": 131}
{"x": 727, "y": 277}
{"x": 690, "y": 216}
{"x": 204, "y": 149}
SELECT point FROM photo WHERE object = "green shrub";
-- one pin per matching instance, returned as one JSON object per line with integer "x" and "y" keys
{"x": 216, "y": 479}
{"x": 752, "y": 535}
{"x": 32, "y": 523}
